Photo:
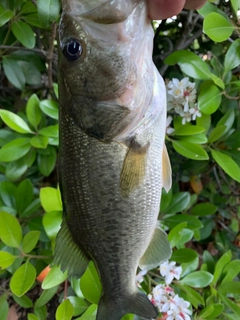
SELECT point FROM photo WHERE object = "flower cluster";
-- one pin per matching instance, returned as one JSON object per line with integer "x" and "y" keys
{"x": 171, "y": 306}
{"x": 182, "y": 98}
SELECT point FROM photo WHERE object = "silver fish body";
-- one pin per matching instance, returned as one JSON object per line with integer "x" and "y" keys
{"x": 112, "y": 128}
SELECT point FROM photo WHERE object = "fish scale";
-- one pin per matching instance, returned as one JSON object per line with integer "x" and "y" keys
{"x": 110, "y": 160}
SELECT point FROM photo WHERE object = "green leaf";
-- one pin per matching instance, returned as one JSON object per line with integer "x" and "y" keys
{"x": 165, "y": 199}
{"x": 23, "y": 279}
{"x": 33, "y": 20}
{"x": 41, "y": 312}
{"x": 51, "y": 131}
{"x": 10, "y": 230}
{"x": 52, "y": 221}
{"x": 217, "y": 27}
{"x": 90, "y": 314}
{"x": 204, "y": 121}
{"x": 193, "y": 223}
{"x": 15, "y": 169}
{"x": 50, "y": 108}
{"x": 209, "y": 98}
{"x": 217, "y": 311}
{"x": 55, "y": 88}
{"x": 221, "y": 263}
{"x": 197, "y": 138}
{"x": 50, "y": 199}
{"x": 232, "y": 57}
{"x": 234, "y": 140}
{"x": 64, "y": 311}
{"x": 79, "y": 305}
{"x": 230, "y": 287}
{"x": 227, "y": 120}
{"x": 179, "y": 202}
{"x": 30, "y": 240}
{"x": 54, "y": 278}
{"x": 14, "y": 121}
{"x": 48, "y": 11}
{"x": 204, "y": 209}
{"x": 183, "y": 236}
{"x": 24, "y": 34}
{"x": 193, "y": 296}
{"x": 13, "y": 72}
{"x": 33, "y": 111}
{"x": 190, "y": 150}
{"x": 218, "y": 81}
{"x": 187, "y": 130}
{"x": 198, "y": 279}
{"x": 39, "y": 141}
{"x": 24, "y": 195}
{"x": 216, "y": 133}
{"x": 175, "y": 234}
{"x": 231, "y": 270}
{"x": 4, "y": 307}
{"x": 230, "y": 305}
{"x": 211, "y": 310}
{"x": 90, "y": 284}
{"x": 15, "y": 149}
{"x": 227, "y": 164}
{"x": 6, "y": 259}
{"x": 33, "y": 207}
{"x": 207, "y": 8}
{"x": 8, "y": 193}
{"x": 47, "y": 162}
{"x": 184, "y": 255}
{"x": 5, "y": 16}
{"x": 46, "y": 296}
{"x": 32, "y": 74}
{"x": 190, "y": 63}
{"x": 235, "y": 5}
{"x": 32, "y": 316}
{"x": 23, "y": 301}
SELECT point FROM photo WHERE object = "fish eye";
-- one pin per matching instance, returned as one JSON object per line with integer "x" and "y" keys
{"x": 73, "y": 50}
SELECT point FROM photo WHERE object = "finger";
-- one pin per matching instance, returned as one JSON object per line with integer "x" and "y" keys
{"x": 194, "y": 4}
{"x": 163, "y": 9}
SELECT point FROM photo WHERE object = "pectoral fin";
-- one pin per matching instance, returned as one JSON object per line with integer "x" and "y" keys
{"x": 166, "y": 170}
{"x": 68, "y": 255}
{"x": 158, "y": 250}
{"x": 133, "y": 170}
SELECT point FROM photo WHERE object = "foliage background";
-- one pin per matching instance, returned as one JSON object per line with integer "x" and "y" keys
{"x": 201, "y": 212}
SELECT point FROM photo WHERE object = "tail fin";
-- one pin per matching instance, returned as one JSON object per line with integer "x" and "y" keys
{"x": 116, "y": 308}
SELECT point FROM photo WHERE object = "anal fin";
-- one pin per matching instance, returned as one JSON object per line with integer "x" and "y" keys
{"x": 67, "y": 253}
{"x": 133, "y": 170}
{"x": 158, "y": 250}
{"x": 166, "y": 170}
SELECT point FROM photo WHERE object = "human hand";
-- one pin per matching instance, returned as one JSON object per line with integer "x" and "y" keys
{"x": 163, "y": 9}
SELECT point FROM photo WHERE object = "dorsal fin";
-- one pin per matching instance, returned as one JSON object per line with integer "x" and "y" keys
{"x": 166, "y": 170}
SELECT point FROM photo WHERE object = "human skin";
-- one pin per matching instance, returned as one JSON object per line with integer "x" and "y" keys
{"x": 163, "y": 9}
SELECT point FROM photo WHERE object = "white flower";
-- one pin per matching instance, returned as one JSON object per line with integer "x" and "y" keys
{"x": 169, "y": 130}
{"x": 187, "y": 117}
{"x": 182, "y": 98}
{"x": 139, "y": 277}
{"x": 169, "y": 271}
{"x": 179, "y": 309}
{"x": 195, "y": 112}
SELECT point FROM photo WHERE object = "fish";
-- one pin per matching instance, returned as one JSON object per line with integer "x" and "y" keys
{"x": 112, "y": 160}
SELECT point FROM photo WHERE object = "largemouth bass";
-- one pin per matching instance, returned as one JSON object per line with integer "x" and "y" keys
{"x": 112, "y": 159}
